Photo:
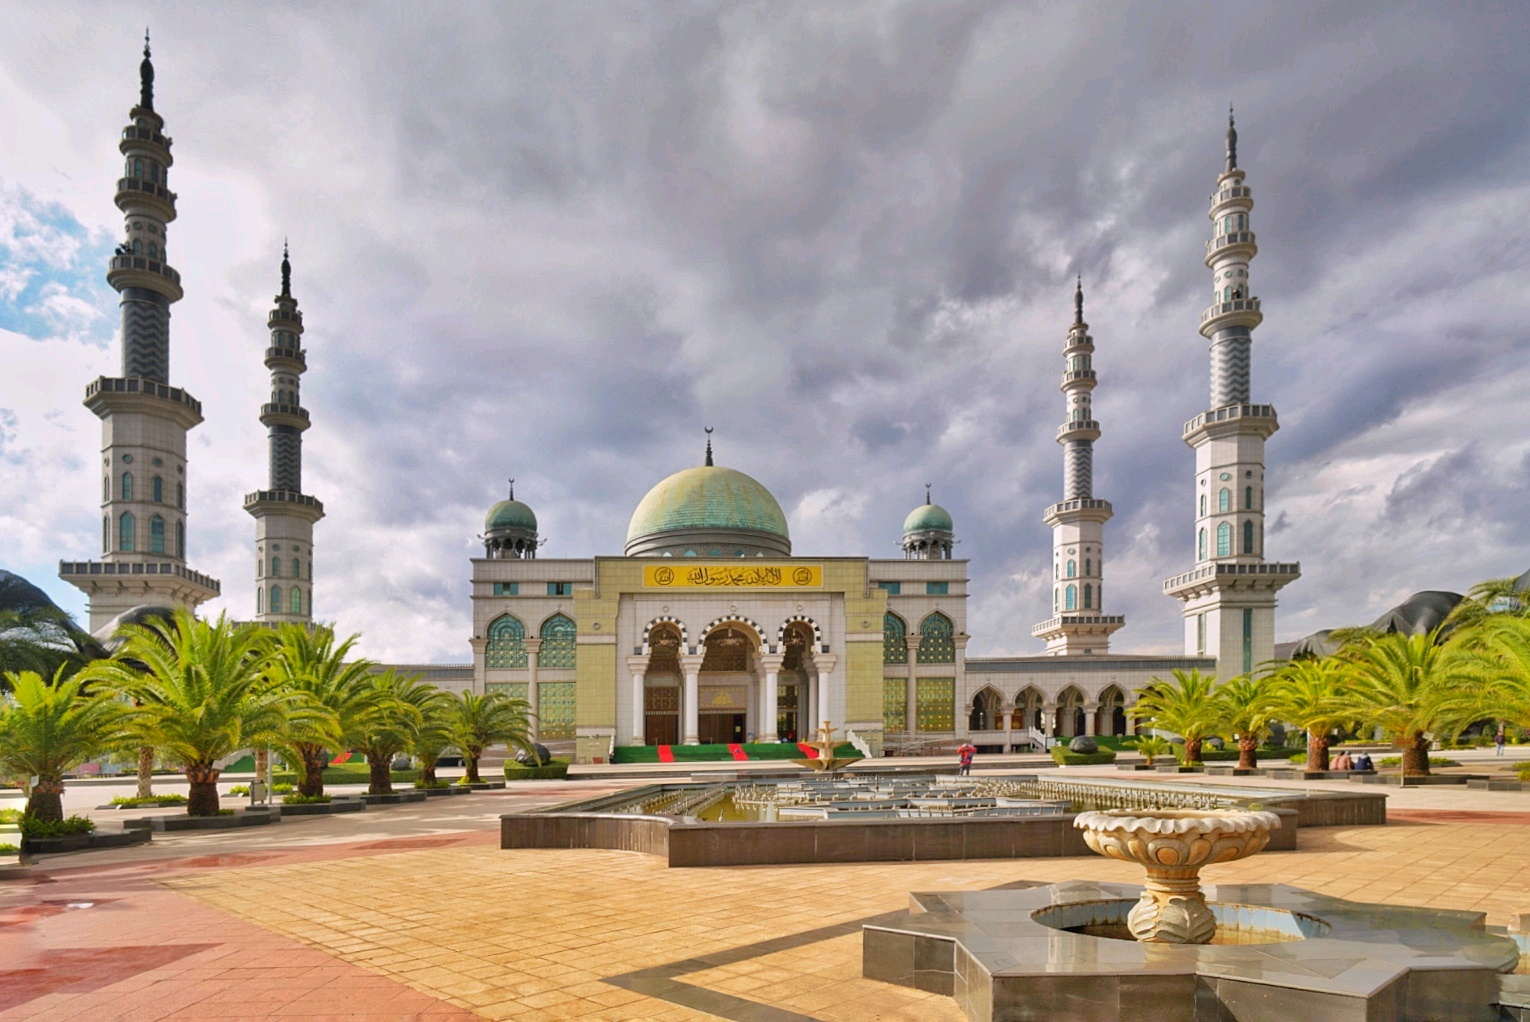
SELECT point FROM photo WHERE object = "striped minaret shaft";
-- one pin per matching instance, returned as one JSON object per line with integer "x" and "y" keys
{"x": 1230, "y": 322}
{"x": 1080, "y": 430}
{"x": 285, "y": 417}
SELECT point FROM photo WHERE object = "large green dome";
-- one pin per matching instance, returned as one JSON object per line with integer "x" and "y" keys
{"x": 510, "y": 514}
{"x": 928, "y": 518}
{"x": 709, "y": 507}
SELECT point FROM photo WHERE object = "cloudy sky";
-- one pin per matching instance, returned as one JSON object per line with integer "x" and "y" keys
{"x": 553, "y": 241}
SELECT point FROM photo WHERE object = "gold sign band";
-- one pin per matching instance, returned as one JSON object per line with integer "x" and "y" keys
{"x": 732, "y": 576}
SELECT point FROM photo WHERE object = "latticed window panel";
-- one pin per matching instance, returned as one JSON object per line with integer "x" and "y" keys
{"x": 937, "y": 640}
{"x": 513, "y": 689}
{"x": 507, "y": 644}
{"x": 894, "y": 704}
{"x": 555, "y": 714}
{"x": 894, "y": 640}
{"x": 935, "y": 704}
{"x": 560, "y": 642}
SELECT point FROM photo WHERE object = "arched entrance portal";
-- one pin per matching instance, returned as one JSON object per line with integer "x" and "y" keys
{"x": 727, "y": 671}
{"x": 792, "y": 687}
{"x": 661, "y": 688}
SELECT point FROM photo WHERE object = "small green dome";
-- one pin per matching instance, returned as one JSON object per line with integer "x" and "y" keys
{"x": 510, "y": 514}
{"x": 707, "y": 497}
{"x": 928, "y": 518}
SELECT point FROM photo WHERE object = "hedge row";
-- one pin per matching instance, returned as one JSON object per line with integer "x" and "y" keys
{"x": 552, "y": 770}
{"x": 1065, "y": 758}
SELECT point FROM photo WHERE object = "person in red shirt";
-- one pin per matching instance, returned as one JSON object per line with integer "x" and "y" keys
{"x": 966, "y": 752}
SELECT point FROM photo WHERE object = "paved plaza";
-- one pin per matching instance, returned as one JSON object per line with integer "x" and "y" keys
{"x": 415, "y": 913}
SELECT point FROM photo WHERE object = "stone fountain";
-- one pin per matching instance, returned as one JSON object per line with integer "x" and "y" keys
{"x": 826, "y": 761}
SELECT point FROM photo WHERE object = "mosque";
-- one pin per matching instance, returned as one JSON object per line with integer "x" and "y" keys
{"x": 708, "y": 628}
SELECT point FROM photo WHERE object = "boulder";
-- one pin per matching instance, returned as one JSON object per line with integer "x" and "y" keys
{"x": 1084, "y": 745}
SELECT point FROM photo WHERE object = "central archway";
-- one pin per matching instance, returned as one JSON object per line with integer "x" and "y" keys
{"x": 730, "y": 656}
{"x": 661, "y": 686}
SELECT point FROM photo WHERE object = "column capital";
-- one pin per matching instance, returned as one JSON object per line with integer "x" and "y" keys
{"x": 479, "y": 643}
{"x": 772, "y": 661}
{"x": 691, "y": 663}
{"x": 637, "y": 664}
{"x": 911, "y": 640}
{"x": 532, "y": 645}
{"x": 824, "y": 662}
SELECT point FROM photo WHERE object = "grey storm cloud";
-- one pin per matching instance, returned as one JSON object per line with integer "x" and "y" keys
{"x": 553, "y": 241}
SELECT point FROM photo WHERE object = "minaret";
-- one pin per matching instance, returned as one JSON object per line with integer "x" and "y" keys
{"x": 1229, "y": 595}
{"x": 1078, "y": 624}
{"x": 284, "y": 515}
{"x": 144, "y": 420}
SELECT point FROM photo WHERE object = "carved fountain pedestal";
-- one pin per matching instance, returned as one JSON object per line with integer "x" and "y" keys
{"x": 1171, "y": 845}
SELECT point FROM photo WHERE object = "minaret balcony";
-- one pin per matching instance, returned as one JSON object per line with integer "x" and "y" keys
{"x": 71, "y": 570}
{"x": 1081, "y": 429}
{"x": 295, "y": 416}
{"x": 1240, "y": 242}
{"x": 1085, "y": 377}
{"x": 137, "y": 271}
{"x": 280, "y": 317}
{"x": 1246, "y": 418}
{"x": 1234, "y": 192}
{"x": 1078, "y": 509}
{"x": 301, "y": 505}
{"x": 287, "y": 356}
{"x": 133, "y": 133}
{"x": 1238, "y": 312}
{"x": 1073, "y": 620}
{"x": 136, "y": 192}
{"x": 1222, "y": 575}
{"x": 108, "y": 394}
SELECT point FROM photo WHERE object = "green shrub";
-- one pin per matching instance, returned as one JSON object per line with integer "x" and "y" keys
{"x": 10, "y": 815}
{"x": 239, "y": 789}
{"x": 31, "y": 827}
{"x": 306, "y": 800}
{"x": 435, "y": 785}
{"x": 276, "y": 789}
{"x": 552, "y": 770}
{"x": 1063, "y": 757}
{"x": 345, "y": 773}
{"x": 1522, "y": 770}
{"x": 133, "y": 801}
{"x": 1434, "y": 761}
{"x": 8, "y": 849}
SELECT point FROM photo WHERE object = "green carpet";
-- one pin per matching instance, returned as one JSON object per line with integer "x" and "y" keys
{"x": 718, "y": 753}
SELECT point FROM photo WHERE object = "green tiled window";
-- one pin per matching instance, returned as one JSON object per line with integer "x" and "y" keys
{"x": 937, "y": 588}
{"x": 895, "y": 704}
{"x": 555, "y": 714}
{"x": 894, "y": 632}
{"x": 507, "y": 643}
{"x": 935, "y": 704}
{"x": 893, "y": 588}
{"x": 507, "y": 588}
{"x": 513, "y": 689}
{"x": 937, "y": 640}
{"x": 560, "y": 589}
{"x": 560, "y": 642}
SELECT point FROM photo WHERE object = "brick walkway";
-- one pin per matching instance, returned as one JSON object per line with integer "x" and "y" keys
{"x": 417, "y": 914}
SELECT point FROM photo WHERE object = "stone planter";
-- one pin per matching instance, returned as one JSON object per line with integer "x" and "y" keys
{"x": 339, "y": 805}
{"x": 87, "y": 842}
{"x": 481, "y": 786}
{"x": 394, "y": 798}
{"x": 239, "y": 818}
{"x": 1171, "y": 845}
{"x": 1136, "y": 766}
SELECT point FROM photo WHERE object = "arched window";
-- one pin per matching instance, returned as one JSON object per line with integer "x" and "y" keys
{"x": 137, "y": 167}
{"x": 1224, "y": 539}
{"x": 1200, "y": 545}
{"x": 1088, "y": 596}
{"x": 894, "y": 639}
{"x": 1224, "y": 500}
{"x": 296, "y": 605}
{"x": 1054, "y": 600}
{"x": 158, "y": 487}
{"x": 560, "y": 642}
{"x": 507, "y": 643}
{"x": 153, "y": 250}
{"x": 137, "y": 247}
{"x": 1203, "y": 505}
{"x": 1070, "y": 598}
{"x": 156, "y": 535}
{"x": 1248, "y": 498}
{"x": 260, "y": 600}
{"x": 276, "y": 599}
{"x": 297, "y": 570}
{"x": 1227, "y": 294}
{"x": 180, "y": 539}
{"x": 276, "y": 567}
{"x": 126, "y": 527}
{"x": 127, "y": 486}
{"x": 937, "y": 640}
{"x": 1248, "y": 536}
{"x": 1072, "y": 569}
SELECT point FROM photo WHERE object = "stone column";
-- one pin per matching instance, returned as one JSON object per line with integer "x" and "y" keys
{"x": 823, "y": 668}
{"x": 533, "y": 646}
{"x": 1090, "y": 709}
{"x": 690, "y": 701}
{"x": 770, "y": 663}
{"x": 1049, "y": 728}
{"x": 480, "y": 646}
{"x": 1009, "y": 725}
{"x": 911, "y": 708}
{"x": 638, "y": 667}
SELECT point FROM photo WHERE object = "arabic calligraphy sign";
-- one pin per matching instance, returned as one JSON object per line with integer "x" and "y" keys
{"x": 730, "y": 576}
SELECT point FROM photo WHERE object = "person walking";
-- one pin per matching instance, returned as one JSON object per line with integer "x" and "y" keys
{"x": 965, "y": 753}
{"x": 1500, "y": 740}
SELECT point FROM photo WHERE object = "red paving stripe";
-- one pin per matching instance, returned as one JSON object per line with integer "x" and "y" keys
{"x": 1457, "y": 816}
{"x": 666, "y": 754}
{"x": 83, "y": 970}
{"x": 737, "y": 752}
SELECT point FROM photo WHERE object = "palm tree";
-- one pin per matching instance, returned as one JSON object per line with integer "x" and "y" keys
{"x": 1246, "y": 713}
{"x": 1187, "y": 706}
{"x": 438, "y": 713}
{"x": 389, "y": 719}
{"x": 202, "y": 694}
{"x": 1489, "y": 599}
{"x": 486, "y": 718}
{"x": 46, "y": 729}
{"x": 1410, "y": 686}
{"x": 1496, "y": 656}
{"x": 1306, "y": 693}
{"x": 314, "y": 663}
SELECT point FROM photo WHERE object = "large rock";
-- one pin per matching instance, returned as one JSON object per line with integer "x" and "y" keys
{"x": 1215, "y": 743}
{"x": 1084, "y": 745}
{"x": 542, "y": 755}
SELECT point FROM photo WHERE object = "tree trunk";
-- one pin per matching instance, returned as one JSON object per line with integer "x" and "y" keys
{"x": 263, "y": 766}
{"x": 1317, "y": 751}
{"x": 380, "y": 774}
{"x": 472, "y": 768}
{"x": 46, "y": 802}
{"x": 1415, "y": 756}
{"x": 1247, "y": 745}
{"x": 204, "y": 790}
{"x": 427, "y": 769}
{"x": 315, "y": 759}
{"x": 145, "y": 772}
{"x": 1192, "y": 752}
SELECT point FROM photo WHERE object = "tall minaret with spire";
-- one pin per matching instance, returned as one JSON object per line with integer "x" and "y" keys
{"x": 1229, "y": 596}
{"x": 284, "y": 515}
{"x": 144, "y": 420}
{"x": 1078, "y": 624}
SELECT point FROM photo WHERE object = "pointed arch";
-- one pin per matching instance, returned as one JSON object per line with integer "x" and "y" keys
{"x": 1088, "y": 596}
{"x": 986, "y": 712}
{"x": 156, "y": 534}
{"x": 1248, "y": 536}
{"x": 937, "y": 640}
{"x": 507, "y": 643}
{"x": 295, "y": 601}
{"x": 127, "y": 486}
{"x": 1224, "y": 539}
{"x": 1070, "y": 598}
{"x": 560, "y": 642}
{"x": 664, "y": 619}
{"x": 894, "y": 639}
{"x": 276, "y": 599}
{"x": 127, "y": 529}
{"x": 1028, "y": 704}
{"x": 1224, "y": 499}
